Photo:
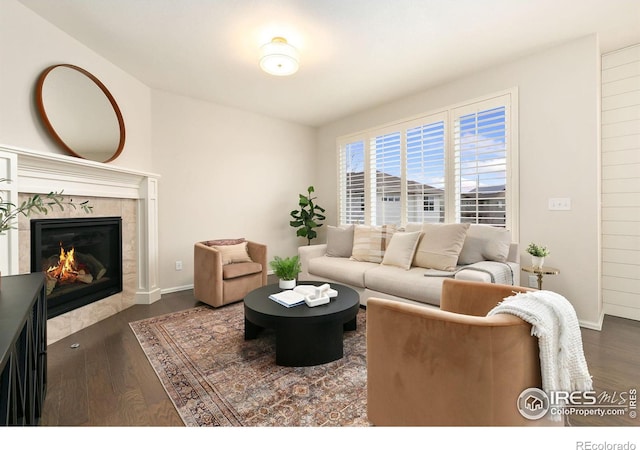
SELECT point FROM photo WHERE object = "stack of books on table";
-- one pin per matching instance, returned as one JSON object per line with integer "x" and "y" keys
{"x": 288, "y": 298}
{"x": 309, "y": 294}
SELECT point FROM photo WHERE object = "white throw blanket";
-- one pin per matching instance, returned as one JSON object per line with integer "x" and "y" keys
{"x": 500, "y": 273}
{"x": 553, "y": 320}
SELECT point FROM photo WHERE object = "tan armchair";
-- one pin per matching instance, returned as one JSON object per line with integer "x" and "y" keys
{"x": 450, "y": 366}
{"x": 219, "y": 284}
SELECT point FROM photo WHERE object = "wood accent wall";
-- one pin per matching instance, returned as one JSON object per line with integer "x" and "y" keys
{"x": 621, "y": 182}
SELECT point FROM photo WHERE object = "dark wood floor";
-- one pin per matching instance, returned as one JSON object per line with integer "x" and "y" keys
{"x": 107, "y": 380}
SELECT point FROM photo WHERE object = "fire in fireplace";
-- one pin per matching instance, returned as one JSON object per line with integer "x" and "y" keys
{"x": 81, "y": 258}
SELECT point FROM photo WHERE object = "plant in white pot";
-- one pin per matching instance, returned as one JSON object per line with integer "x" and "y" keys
{"x": 287, "y": 270}
{"x": 537, "y": 252}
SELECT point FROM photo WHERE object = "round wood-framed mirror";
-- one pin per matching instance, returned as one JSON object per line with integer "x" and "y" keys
{"x": 80, "y": 113}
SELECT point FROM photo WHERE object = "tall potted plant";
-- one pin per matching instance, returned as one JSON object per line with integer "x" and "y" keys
{"x": 308, "y": 217}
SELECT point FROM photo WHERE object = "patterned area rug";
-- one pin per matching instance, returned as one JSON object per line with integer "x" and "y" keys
{"x": 216, "y": 378}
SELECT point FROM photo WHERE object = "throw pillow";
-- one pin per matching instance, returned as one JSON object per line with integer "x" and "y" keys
{"x": 370, "y": 242}
{"x": 440, "y": 245}
{"x": 401, "y": 249}
{"x": 413, "y": 226}
{"x": 339, "y": 241}
{"x": 233, "y": 253}
{"x": 485, "y": 243}
{"x": 224, "y": 242}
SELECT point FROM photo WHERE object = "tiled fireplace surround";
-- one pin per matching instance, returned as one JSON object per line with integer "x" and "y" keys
{"x": 112, "y": 191}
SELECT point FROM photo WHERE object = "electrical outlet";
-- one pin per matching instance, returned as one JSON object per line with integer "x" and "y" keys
{"x": 533, "y": 281}
{"x": 178, "y": 265}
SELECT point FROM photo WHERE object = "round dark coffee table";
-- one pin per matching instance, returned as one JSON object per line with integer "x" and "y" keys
{"x": 304, "y": 336}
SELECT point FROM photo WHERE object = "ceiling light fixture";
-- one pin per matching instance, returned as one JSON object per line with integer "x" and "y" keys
{"x": 278, "y": 57}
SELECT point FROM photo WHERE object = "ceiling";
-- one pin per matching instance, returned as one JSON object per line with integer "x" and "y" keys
{"x": 355, "y": 54}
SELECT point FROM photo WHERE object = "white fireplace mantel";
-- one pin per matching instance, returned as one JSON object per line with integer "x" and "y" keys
{"x": 41, "y": 173}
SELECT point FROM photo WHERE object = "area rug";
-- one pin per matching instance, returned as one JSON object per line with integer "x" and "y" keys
{"x": 216, "y": 378}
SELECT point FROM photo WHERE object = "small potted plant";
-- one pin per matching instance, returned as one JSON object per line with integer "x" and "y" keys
{"x": 537, "y": 252}
{"x": 287, "y": 270}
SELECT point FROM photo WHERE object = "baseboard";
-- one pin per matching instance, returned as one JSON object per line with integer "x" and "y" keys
{"x": 176, "y": 289}
{"x": 147, "y": 297}
{"x": 593, "y": 325}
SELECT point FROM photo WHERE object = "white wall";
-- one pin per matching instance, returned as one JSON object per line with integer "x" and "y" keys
{"x": 28, "y": 45}
{"x": 226, "y": 173}
{"x": 559, "y": 148}
{"x": 218, "y": 164}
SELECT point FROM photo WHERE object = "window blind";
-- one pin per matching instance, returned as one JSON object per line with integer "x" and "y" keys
{"x": 352, "y": 178}
{"x": 385, "y": 176}
{"x": 455, "y": 165}
{"x": 480, "y": 165}
{"x": 426, "y": 173}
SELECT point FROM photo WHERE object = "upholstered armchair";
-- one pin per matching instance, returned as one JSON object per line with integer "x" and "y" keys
{"x": 450, "y": 366}
{"x": 224, "y": 274}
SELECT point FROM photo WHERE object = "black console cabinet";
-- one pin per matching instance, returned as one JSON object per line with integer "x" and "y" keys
{"x": 23, "y": 349}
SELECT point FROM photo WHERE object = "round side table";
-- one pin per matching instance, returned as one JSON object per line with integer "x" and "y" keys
{"x": 540, "y": 272}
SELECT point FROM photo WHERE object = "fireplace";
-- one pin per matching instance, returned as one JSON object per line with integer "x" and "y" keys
{"x": 81, "y": 257}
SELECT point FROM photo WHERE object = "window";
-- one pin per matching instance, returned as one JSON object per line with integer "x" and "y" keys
{"x": 429, "y": 204}
{"x": 457, "y": 165}
{"x": 426, "y": 171}
{"x": 386, "y": 186}
{"x": 351, "y": 188}
{"x": 480, "y": 164}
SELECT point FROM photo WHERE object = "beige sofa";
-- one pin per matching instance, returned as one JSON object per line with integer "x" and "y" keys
{"x": 410, "y": 264}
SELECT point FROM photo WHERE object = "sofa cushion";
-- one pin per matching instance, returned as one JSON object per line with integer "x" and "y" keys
{"x": 340, "y": 241}
{"x": 485, "y": 243}
{"x": 401, "y": 249}
{"x": 233, "y": 253}
{"x": 370, "y": 242}
{"x": 241, "y": 269}
{"x": 410, "y": 284}
{"x": 342, "y": 270}
{"x": 440, "y": 245}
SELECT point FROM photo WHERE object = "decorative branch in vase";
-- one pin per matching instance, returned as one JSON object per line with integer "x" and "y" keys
{"x": 43, "y": 204}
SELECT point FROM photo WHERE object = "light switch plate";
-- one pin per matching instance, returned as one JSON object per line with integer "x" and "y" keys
{"x": 560, "y": 204}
